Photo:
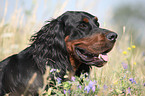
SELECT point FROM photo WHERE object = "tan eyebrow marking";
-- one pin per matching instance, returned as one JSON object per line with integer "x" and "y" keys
{"x": 96, "y": 18}
{"x": 86, "y": 20}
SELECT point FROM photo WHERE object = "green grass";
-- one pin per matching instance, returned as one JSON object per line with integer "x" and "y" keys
{"x": 123, "y": 75}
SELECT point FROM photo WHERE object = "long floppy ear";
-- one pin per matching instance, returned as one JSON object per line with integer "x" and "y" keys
{"x": 49, "y": 47}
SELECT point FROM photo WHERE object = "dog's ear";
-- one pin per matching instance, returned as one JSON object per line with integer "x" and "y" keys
{"x": 49, "y": 46}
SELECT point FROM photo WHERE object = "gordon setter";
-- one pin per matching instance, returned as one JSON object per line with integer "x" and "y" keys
{"x": 72, "y": 42}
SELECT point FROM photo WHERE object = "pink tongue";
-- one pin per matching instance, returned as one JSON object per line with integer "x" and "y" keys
{"x": 104, "y": 57}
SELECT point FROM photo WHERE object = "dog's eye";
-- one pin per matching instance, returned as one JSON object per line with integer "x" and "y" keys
{"x": 97, "y": 24}
{"x": 82, "y": 26}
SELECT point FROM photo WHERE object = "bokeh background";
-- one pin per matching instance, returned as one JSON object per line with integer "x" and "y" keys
{"x": 25, "y": 17}
{"x": 20, "y": 19}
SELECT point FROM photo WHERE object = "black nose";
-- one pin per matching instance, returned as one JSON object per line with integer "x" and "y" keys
{"x": 111, "y": 36}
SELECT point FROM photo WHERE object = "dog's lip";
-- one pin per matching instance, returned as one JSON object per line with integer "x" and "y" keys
{"x": 91, "y": 58}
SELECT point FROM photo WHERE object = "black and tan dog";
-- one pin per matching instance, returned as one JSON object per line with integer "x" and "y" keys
{"x": 73, "y": 42}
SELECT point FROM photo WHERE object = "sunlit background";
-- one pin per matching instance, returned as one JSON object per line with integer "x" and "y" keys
{"x": 112, "y": 14}
{"x": 20, "y": 19}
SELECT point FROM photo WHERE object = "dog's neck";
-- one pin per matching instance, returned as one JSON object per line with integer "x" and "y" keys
{"x": 75, "y": 63}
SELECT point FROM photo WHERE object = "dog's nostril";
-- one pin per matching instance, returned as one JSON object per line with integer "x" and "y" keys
{"x": 112, "y": 36}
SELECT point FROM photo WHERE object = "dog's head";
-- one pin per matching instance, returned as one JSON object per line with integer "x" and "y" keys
{"x": 72, "y": 39}
{"x": 85, "y": 41}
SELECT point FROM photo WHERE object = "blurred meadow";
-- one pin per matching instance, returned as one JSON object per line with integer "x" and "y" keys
{"x": 123, "y": 75}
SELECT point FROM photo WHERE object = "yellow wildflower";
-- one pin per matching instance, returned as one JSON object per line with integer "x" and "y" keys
{"x": 134, "y": 63}
{"x": 128, "y": 48}
{"x": 133, "y": 46}
{"x": 124, "y": 52}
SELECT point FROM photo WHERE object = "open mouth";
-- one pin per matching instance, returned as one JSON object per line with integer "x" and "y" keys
{"x": 91, "y": 59}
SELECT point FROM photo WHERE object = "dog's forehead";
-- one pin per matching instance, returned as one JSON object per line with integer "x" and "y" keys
{"x": 78, "y": 15}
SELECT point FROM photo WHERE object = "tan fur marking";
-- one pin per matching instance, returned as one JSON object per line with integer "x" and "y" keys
{"x": 86, "y": 20}
{"x": 96, "y": 18}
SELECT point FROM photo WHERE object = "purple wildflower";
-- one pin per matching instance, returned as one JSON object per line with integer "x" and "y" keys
{"x": 58, "y": 80}
{"x": 105, "y": 86}
{"x": 64, "y": 91}
{"x": 91, "y": 86}
{"x": 129, "y": 90}
{"x": 144, "y": 84}
{"x": 69, "y": 91}
{"x": 92, "y": 83}
{"x": 79, "y": 86}
{"x": 73, "y": 78}
{"x": 125, "y": 66}
{"x": 132, "y": 80}
{"x": 87, "y": 88}
{"x": 52, "y": 70}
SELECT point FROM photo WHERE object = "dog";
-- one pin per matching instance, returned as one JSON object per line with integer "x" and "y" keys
{"x": 72, "y": 42}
